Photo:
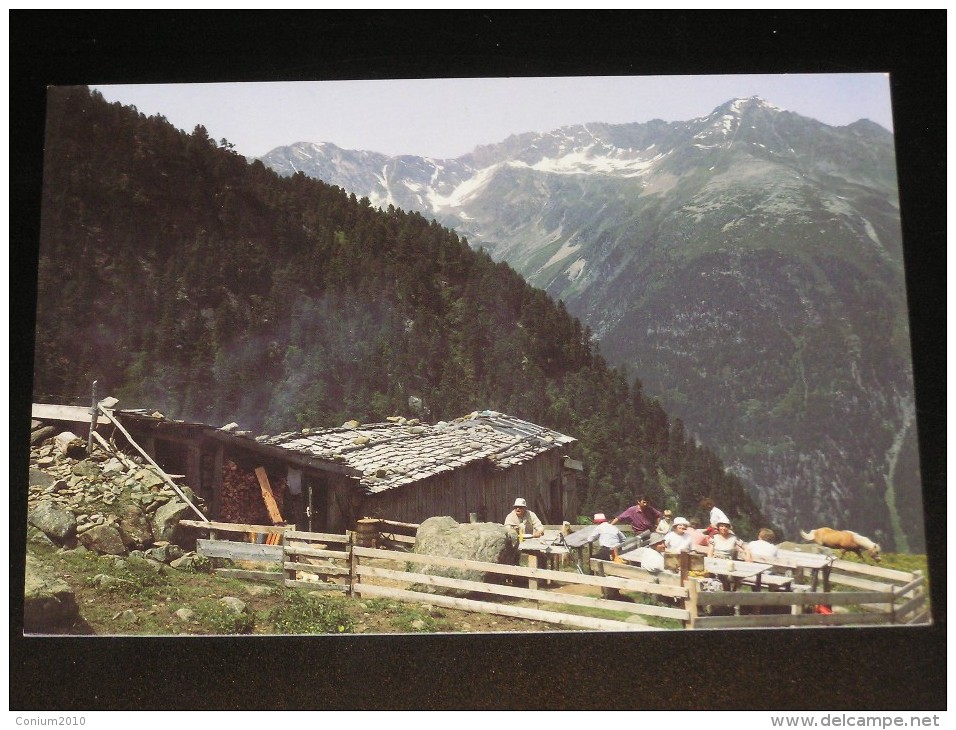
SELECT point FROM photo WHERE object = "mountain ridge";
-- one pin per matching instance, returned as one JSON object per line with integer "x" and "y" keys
{"x": 789, "y": 229}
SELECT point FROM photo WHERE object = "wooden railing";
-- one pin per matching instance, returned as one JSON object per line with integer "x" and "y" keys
{"x": 864, "y": 595}
{"x": 309, "y": 563}
{"x": 365, "y": 571}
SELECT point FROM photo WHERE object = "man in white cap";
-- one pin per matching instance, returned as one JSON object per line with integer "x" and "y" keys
{"x": 524, "y": 518}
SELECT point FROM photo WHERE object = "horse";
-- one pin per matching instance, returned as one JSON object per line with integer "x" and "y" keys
{"x": 844, "y": 540}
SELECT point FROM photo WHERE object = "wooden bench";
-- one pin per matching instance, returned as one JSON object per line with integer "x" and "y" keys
{"x": 634, "y": 572}
{"x": 771, "y": 582}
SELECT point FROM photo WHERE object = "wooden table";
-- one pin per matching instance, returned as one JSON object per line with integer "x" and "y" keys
{"x": 544, "y": 549}
{"x": 732, "y": 573}
{"x": 817, "y": 563}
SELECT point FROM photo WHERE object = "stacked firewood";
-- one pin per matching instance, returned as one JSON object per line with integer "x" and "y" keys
{"x": 241, "y": 497}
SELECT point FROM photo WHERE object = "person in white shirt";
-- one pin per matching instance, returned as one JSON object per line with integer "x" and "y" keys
{"x": 762, "y": 549}
{"x": 650, "y": 557}
{"x": 609, "y": 538}
{"x": 725, "y": 544}
{"x": 716, "y": 514}
{"x": 678, "y": 539}
{"x": 524, "y": 518}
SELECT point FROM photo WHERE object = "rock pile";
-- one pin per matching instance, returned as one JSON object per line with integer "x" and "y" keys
{"x": 112, "y": 504}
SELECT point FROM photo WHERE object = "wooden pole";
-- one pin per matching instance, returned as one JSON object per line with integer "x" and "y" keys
{"x": 267, "y": 495}
{"x": 93, "y": 413}
{"x": 691, "y": 603}
{"x": 353, "y": 565}
{"x": 162, "y": 474}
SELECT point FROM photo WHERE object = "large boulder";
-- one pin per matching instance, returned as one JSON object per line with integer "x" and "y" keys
{"x": 487, "y": 542}
{"x": 134, "y": 527}
{"x": 57, "y": 522}
{"x": 104, "y": 539}
{"x": 48, "y": 602}
{"x": 166, "y": 520}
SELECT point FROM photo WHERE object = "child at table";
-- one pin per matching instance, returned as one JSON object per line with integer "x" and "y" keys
{"x": 762, "y": 549}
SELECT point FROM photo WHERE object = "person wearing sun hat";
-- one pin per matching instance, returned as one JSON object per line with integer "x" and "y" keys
{"x": 678, "y": 540}
{"x": 524, "y": 518}
{"x": 649, "y": 557}
{"x": 725, "y": 544}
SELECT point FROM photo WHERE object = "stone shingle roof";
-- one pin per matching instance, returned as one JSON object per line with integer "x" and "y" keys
{"x": 401, "y": 451}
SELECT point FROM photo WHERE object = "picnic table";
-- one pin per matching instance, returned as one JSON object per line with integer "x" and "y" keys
{"x": 547, "y": 550}
{"x": 817, "y": 564}
{"x": 733, "y": 573}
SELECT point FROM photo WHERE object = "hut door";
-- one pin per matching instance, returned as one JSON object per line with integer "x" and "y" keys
{"x": 557, "y": 508}
{"x": 317, "y": 504}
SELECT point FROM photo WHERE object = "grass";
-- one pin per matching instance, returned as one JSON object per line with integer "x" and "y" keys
{"x": 140, "y": 597}
{"x": 306, "y": 614}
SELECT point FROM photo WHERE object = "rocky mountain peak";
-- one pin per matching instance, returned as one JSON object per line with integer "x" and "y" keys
{"x": 728, "y": 261}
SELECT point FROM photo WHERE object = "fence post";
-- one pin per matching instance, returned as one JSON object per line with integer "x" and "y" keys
{"x": 684, "y": 562}
{"x": 533, "y": 564}
{"x": 286, "y": 573}
{"x": 353, "y": 563}
{"x": 691, "y": 602}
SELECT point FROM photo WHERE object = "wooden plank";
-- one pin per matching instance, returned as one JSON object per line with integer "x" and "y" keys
{"x": 543, "y": 596}
{"x": 920, "y": 618}
{"x": 310, "y": 552}
{"x": 768, "y": 580}
{"x": 913, "y": 585}
{"x": 267, "y": 496}
{"x": 239, "y": 574}
{"x": 312, "y": 568}
{"x": 539, "y": 573}
{"x": 289, "y": 583}
{"x": 917, "y": 601}
{"x": 316, "y": 536}
{"x": 53, "y": 412}
{"x": 162, "y": 474}
{"x": 772, "y": 620}
{"x": 633, "y": 572}
{"x": 770, "y": 598}
{"x": 795, "y": 559}
{"x": 533, "y": 614}
{"x": 393, "y": 523}
{"x": 235, "y": 527}
{"x": 853, "y": 582}
{"x": 404, "y": 539}
{"x": 239, "y": 550}
{"x": 874, "y": 571}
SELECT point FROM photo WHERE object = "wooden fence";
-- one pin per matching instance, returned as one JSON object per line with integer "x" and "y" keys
{"x": 862, "y": 594}
{"x": 368, "y": 575}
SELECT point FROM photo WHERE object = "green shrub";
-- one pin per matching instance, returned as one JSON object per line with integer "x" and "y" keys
{"x": 217, "y": 618}
{"x": 304, "y": 614}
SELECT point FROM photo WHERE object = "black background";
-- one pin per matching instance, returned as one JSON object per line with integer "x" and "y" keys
{"x": 898, "y": 668}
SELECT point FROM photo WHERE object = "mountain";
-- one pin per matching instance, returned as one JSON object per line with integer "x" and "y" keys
{"x": 184, "y": 279}
{"x": 746, "y": 265}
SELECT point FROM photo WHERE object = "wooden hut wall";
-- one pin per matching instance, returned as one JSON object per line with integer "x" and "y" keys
{"x": 478, "y": 488}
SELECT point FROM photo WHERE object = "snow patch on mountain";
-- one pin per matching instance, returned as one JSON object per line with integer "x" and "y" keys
{"x": 582, "y": 162}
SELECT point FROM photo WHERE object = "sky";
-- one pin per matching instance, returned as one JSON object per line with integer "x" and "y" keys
{"x": 447, "y": 118}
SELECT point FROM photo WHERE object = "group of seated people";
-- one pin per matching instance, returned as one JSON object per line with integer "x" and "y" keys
{"x": 664, "y": 533}
{"x": 678, "y": 534}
